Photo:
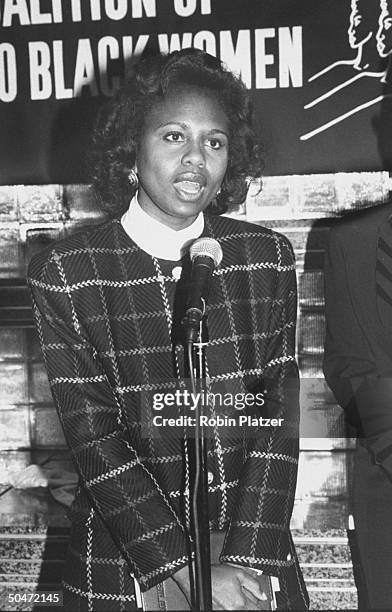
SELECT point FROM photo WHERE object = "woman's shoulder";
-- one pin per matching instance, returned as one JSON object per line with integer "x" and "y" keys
{"x": 76, "y": 247}
{"x": 253, "y": 236}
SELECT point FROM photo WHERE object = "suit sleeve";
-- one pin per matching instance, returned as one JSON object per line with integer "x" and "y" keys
{"x": 258, "y": 535}
{"x": 122, "y": 491}
{"x": 349, "y": 366}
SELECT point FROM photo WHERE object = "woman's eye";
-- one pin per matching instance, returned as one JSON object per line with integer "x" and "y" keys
{"x": 174, "y": 137}
{"x": 214, "y": 143}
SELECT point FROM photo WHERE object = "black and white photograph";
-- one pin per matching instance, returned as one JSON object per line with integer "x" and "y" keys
{"x": 195, "y": 305}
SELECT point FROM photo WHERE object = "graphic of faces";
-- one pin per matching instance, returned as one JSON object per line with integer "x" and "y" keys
{"x": 362, "y": 22}
{"x": 370, "y": 17}
{"x": 384, "y": 32}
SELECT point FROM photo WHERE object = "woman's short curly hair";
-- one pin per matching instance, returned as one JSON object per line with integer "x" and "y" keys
{"x": 120, "y": 122}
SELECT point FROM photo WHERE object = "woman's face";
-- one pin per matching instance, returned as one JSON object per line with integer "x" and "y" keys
{"x": 384, "y": 33}
{"x": 182, "y": 157}
{"x": 359, "y": 31}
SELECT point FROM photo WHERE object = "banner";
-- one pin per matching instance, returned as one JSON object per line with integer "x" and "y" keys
{"x": 318, "y": 70}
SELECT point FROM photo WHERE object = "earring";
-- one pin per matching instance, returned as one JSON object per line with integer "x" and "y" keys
{"x": 218, "y": 192}
{"x": 133, "y": 178}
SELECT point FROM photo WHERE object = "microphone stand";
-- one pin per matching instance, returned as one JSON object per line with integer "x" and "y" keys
{"x": 200, "y": 516}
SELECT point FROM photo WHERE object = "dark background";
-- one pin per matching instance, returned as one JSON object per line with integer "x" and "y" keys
{"x": 44, "y": 141}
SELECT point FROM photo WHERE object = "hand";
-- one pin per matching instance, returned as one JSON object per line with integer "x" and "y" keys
{"x": 234, "y": 588}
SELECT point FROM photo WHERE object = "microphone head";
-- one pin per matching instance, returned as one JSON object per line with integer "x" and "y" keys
{"x": 206, "y": 247}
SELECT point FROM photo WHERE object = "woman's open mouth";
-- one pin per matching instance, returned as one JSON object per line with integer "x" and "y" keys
{"x": 190, "y": 186}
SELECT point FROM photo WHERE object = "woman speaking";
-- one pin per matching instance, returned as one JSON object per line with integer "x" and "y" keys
{"x": 172, "y": 150}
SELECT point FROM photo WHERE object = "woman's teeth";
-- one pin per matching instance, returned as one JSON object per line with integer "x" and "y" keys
{"x": 190, "y": 186}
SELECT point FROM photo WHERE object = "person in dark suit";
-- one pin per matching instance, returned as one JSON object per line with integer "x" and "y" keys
{"x": 358, "y": 368}
{"x": 109, "y": 303}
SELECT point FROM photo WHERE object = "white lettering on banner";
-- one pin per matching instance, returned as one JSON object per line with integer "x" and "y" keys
{"x": 284, "y": 67}
{"x": 290, "y": 57}
{"x": 59, "y": 83}
{"x": 205, "y": 7}
{"x": 116, "y": 9}
{"x": 95, "y": 7}
{"x": 129, "y": 51}
{"x": 17, "y": 8}
{"x": 186, "y": 8}
{"x": 76, "y": 10}
{"x": 35, "y": 13}
{"x": 263, "y": 59}
{"x": 20, "y": 9}
{"x": 41, "y": 12}
{"x": 8, "y": 78}
{"x": 108, "y": 47}
{"x": 205, "y": 41}
{"x": 57, "y": 11}
{"x": 47, "y": 74}
{"x": 84, "y": 69}
{"x": 40, "y": 77}
{"x": 149, "y": 7}
{"x": 167, "y": 45}
{"x": 238, "y": 58}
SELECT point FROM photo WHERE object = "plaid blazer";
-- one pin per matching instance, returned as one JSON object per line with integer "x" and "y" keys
{"x": 108, "y": 318}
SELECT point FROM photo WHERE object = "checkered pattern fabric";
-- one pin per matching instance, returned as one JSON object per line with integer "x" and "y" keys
{"x": 108, "y": 317}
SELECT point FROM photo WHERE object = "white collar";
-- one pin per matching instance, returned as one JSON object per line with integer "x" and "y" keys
{"x": 158, "y": 239}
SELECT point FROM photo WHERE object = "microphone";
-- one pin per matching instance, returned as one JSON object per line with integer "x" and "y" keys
{"x": 205, "y": 254}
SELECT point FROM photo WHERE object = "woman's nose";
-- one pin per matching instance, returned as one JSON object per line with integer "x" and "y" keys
{"x": 194, "y": 155}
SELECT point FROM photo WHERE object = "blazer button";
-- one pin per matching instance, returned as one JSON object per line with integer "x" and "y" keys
{"x": 210, "y": 477}
{"x": 176, "y": 272}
